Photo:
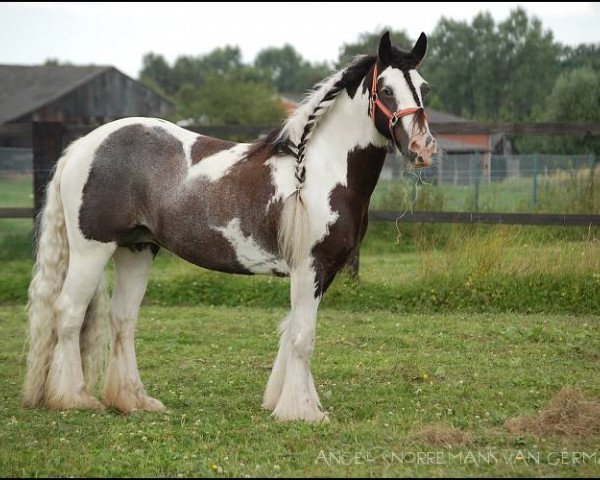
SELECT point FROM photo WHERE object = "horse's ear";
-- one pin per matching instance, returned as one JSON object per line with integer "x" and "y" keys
{"x": 385, "y": 47}
{"x": 420, "y": 48}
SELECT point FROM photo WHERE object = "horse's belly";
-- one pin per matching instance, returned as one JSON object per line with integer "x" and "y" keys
{"x": 224, "y": 248}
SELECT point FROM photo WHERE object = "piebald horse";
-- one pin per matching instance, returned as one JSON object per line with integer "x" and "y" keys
{"x": 294, "y": 203}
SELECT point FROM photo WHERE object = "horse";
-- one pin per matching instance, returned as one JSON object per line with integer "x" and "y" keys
{"x": 294, "y": 203}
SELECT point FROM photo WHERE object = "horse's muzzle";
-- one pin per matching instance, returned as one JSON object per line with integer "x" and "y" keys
{"x": 421, "y": 150}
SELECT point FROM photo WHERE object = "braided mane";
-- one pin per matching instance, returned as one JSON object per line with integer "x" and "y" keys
{"x": 293, "y": 136}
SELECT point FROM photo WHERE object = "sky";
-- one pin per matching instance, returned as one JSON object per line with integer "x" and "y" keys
{"x": 120, "y": 34}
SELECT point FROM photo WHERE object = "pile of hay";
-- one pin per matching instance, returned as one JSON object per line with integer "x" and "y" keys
{"x": 568, "y": 414}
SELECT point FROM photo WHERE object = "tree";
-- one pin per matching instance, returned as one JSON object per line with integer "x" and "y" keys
{"x": 55, "y": 62}
{"x": 288, "y": 71}
{"x": 368, "y": 44}
{"x": 531, "y": 60}
{"x": 229, "y": 102}
{"x": 189, "y": 69}
{"x": 576, "y": 98}
{"x": 586, "y": 54}
{"x": 156, "y": 73}
{"x": 491, "y": 72}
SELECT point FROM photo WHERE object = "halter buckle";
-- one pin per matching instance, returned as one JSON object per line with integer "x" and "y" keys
{"x": 394, "y": 119}
{"x": 374, "y": 98}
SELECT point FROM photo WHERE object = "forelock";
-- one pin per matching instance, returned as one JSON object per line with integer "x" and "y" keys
{"x": 402, "y": 60}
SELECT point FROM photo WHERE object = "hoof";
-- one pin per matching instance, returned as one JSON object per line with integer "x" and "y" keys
{"x": 129, "y": 405}
{"x": 73, "y": 402}
{"x": 307, "y": 415}
{"x": 149, "y": 404}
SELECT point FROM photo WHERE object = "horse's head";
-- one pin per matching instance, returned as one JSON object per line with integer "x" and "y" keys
{"x": 397, "y": 92}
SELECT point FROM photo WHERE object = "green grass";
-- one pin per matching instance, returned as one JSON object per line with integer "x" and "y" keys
{"x": 209, "y": 365}
{"x": 465, "y": 326}
{"x": 16, "y": 191}
{"x": 449, "y": 325}
{"x": 447, "y": 268}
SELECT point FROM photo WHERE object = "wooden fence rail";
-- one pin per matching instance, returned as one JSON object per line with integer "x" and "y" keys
{"x": 434, "y": 217}
{"x": 456, "y": 128}
{"x": 557, "y": 219}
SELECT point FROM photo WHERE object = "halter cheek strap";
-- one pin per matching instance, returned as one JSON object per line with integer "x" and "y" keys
{"x": 393, "y": 117}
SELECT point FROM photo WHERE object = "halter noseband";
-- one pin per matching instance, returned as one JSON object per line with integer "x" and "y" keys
{"x": 394, "y": 117}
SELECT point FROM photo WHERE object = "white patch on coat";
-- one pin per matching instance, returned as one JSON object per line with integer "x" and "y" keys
{"x": 393, "y": 78}
{"x": 282, "y": 177}
{"x": 218, "y": 165}
{"x": 345, "y": 128}
{"x": 248, "y": 252}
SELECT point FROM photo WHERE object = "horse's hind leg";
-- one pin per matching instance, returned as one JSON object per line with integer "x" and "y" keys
{"x": 124, "y": 390}
{"x": 65, "y": 385}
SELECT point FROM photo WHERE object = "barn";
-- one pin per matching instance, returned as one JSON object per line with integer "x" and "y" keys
{"x": 72, "y": 94}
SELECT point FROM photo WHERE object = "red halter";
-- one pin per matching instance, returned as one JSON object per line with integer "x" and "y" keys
{"x": 394, "y": 117}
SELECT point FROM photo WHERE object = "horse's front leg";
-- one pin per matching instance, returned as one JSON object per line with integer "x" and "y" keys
{"x": 291, "y": 391}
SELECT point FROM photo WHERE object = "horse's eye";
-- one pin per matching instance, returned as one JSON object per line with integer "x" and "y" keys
{"x": 386, "y": 91}
{"x": 425, "y": 89}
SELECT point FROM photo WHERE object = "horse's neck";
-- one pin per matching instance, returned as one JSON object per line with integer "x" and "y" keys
{"x": 346, "y": 145}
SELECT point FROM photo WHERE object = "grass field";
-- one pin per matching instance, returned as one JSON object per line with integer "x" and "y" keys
{"x": 383, "y": 377}
{"x": 16, "y": 191}
{"x": 451, "y": 329}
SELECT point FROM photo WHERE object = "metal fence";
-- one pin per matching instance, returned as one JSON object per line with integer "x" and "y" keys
{"x": 456, "y": 182}
{"x": 492, "y": 183}
{"x": 533, "y": 183}
{"x": 16, "y": 160}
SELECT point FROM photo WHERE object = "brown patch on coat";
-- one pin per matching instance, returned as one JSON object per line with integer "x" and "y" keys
{"x": 569, "y": 414}
{"x": 207, "y": 146}
{"x": 351, "y": 202}
{"x": 119, "y": 197}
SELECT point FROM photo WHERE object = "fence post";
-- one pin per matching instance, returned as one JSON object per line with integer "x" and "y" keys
{"x": 535, "y": 171}
{"x": 592, "y": 163}
{"x": 47, "y": 140}
{"x": 475, "y": 172}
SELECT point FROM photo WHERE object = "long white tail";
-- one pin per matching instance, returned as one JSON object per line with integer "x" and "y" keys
{"x": 293, "y": 234}
{"x": 49, "y": 272}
